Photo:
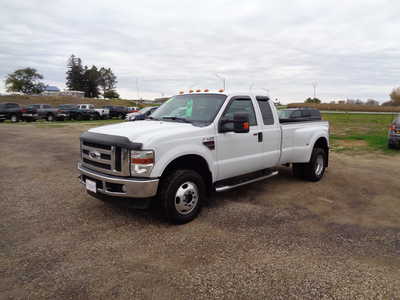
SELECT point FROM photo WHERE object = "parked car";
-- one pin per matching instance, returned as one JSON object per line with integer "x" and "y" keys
{"x": 141, "y": 114}
{"x": 197, "y": 143}
{"x": 10, "y": 111}
{"x": 132, "y": 109}
{"x": 394, "y": 134}
{"x": 98, "y": 113}
{"x": 117, "y": 111}
{"x": 48, "y": 112}
{"x": 74, "y": 113}
{"x": 29, "y": 114}
{"x": 299, "y": 114}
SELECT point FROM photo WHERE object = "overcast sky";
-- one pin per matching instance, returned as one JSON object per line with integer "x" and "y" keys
{"x": 350, "y": 48}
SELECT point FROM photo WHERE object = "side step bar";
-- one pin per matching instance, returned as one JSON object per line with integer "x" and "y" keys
{"x": 229, "y": 187}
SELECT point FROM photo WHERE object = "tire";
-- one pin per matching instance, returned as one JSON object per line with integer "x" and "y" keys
{"x": 14, "y": 118}
{"x": 78, "y": 117}
{"x": 313, "y": 170}
{"x": 391, "y": 146}
{"x": 50, "y": 118}
{"x": 298, "y": 170}
{"x": 181, "y": 195}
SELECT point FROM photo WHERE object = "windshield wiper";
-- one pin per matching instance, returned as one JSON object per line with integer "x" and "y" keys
{"x": 177, "y": 119}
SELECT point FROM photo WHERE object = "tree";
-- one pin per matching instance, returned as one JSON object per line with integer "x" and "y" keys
{"x": 111, "y": 94}
{"x": 26, "y": 81}
{"x": 91, "y": 80}
{"x": 75, "y": 74}
{"x": 312, "y": 100}
{"x": 108, "y": 80}
{"x": 395, "y": 97}
{"x": 372, "y": 102}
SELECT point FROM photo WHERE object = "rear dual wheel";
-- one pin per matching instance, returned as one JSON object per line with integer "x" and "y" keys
{"x": 313, "y": 170}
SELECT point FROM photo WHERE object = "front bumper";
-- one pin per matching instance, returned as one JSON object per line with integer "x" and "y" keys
{"x": 120, "y": 186}
{"x": 394, "y": 139}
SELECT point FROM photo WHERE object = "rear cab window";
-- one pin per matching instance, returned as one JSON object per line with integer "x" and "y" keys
{"x": 266, "y": 111}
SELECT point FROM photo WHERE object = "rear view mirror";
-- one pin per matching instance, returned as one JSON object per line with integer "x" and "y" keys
{"x": 240, "y": 123}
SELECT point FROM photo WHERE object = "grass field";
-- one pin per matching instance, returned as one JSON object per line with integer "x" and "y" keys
{"x": 359, "y": 132}
{"x": 57, "y": 100}
{"x": 349, "y": 132}
{"x": 347, "y": 107}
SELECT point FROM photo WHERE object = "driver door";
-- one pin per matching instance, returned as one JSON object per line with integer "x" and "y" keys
{"x": 239, "y": 153}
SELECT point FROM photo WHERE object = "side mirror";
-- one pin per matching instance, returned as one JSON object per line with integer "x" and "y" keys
{"x": 240, "y": 123}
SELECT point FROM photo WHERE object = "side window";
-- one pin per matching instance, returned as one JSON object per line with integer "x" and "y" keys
{"x": 241, "y": 105}
{"x": 306, "y": 113}
{"x": 296, "y": 114}
{"x": 268, "y": 117}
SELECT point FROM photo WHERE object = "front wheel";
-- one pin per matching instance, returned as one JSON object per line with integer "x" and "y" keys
{"x": 182, "y": 193}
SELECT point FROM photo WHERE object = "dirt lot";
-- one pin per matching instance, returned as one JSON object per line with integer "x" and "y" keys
{"x": 280, "y": 239}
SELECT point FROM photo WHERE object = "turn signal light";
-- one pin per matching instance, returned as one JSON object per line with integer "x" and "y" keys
{"x": 392, "y": 127}
{"x": 142, "y": 161}
{"x": 246, "y": 125}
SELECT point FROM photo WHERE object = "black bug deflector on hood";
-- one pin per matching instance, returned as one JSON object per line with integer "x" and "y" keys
{"x": 105, "y": 139}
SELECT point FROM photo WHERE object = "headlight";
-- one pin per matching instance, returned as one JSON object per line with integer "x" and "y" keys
{"x": 142, "y": 162}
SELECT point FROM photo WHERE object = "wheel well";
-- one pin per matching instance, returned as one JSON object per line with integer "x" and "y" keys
{"x": 323, "y": 144}
{"x": 191, "y": 162}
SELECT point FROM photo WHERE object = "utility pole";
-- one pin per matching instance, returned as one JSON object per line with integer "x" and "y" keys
{"x": 137, "y": 87}
{"x": 314, "y": 84}
{"x": 222, "y": 78}
{"x": 267, "y": 90}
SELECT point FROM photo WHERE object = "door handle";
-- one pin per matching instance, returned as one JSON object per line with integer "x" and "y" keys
{"x": 260, "y": 136}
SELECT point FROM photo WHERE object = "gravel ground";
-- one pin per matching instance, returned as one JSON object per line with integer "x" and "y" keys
{"x": 279, "y": 239}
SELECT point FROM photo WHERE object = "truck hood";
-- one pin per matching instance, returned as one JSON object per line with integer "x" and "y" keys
{"x": 146, "y": 131}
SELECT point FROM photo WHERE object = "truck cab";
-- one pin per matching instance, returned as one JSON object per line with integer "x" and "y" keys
{"x": 195, "y": 144}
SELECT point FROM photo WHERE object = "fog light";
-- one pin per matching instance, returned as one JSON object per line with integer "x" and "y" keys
{"x": 123, "y": 188}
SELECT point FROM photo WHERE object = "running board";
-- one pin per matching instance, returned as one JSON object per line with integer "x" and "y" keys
{"x": 229, "y": 187}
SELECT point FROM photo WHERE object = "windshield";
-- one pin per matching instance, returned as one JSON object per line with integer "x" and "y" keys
{"x": 67, "y": 106}
{"x": 200, "y": 108}
{"x": 145, "y": 109}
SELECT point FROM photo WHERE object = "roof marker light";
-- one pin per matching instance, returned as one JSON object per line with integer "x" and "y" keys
{"x": 221, "y": 90}
{"x": 190, "y": 91}
{"x": 198, "y": 91}
{"x": 206, "y": 90}
{"x": 181, "y": 92}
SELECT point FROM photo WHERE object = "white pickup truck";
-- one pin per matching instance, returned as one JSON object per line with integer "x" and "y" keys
{"x": 101, "y": 113}
{"x": 196, "y": 144}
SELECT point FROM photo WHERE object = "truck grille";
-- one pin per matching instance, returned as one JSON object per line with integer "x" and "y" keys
{"x": 107, "y": 159}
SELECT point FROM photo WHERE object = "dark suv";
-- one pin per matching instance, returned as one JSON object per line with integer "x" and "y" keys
{"x": 10, "y": 111}
{"x": 117, "y": 111}
{"x": 394, "y": 134}
{"x": 302, "y": 114}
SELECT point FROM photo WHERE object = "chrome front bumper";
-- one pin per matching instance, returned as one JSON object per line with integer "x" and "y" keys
{"x": 120, "y": 186}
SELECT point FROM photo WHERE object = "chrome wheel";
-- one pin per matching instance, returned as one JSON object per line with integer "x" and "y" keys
{"x": 319, "y": 165}
{"x": 186, "y": 198}
{"x": 14, "y": 118}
